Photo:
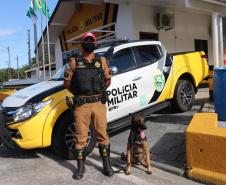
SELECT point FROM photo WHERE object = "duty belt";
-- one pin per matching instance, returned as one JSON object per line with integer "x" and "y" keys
{"x": 81, "y": 100}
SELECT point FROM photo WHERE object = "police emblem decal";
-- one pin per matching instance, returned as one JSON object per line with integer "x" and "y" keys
{"x": 81, "y": 25}
{"x": 66, "y": 74}
{"x": 158, "y": 80}
{"x": 97, "y": 64}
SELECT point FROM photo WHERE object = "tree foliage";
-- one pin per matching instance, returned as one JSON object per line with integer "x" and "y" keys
{"x": 33, "y": 60}
{"x": 5, "y": 73}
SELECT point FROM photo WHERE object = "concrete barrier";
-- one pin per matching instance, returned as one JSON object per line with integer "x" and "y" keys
{"x": 206, "y": 149}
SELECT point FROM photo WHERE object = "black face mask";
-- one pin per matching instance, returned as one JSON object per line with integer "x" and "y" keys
{"x": 88, "y": 47}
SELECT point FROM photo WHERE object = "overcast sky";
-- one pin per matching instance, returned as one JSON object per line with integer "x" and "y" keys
{"x": 14, "y": 26}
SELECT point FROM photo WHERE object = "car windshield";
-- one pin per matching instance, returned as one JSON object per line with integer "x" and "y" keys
{"x": 102, "y": 54}
{"x": 60, "y": 73}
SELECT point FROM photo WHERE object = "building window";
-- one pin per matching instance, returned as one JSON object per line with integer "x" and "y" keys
{"x": 201, "y": 45}
{"x": 147, "y": 35}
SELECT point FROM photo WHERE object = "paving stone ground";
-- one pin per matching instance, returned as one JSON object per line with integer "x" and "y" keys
{"x": 165, "y": 136}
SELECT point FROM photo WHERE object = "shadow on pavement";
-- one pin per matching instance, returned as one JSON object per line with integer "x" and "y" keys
{"x": 170, "y": 149}
{"x": 18, "y": 153}
{"x": 35, "y": 154}
{"x": 167, "y": 145}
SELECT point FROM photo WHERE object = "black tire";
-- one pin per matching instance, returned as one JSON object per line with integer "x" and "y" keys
{"x": 64, "y": 135}
{"x": 184, "y": 96}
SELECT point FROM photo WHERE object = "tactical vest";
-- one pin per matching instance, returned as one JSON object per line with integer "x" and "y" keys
{"x": 88, "y": 78}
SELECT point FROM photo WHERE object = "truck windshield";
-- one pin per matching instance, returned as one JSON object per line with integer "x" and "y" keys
{"x": 59, "y": 75}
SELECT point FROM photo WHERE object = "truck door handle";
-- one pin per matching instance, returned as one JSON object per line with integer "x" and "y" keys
{"x": 137, "y": 78}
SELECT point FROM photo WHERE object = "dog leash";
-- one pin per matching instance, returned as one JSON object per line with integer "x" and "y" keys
{"x": 121, "y": 168}
{"x": 132, "y": 141}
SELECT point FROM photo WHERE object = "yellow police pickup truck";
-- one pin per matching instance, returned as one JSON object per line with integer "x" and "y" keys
{"x": 146, "y": 78}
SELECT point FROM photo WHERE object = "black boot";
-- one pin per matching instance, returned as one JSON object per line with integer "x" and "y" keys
{"x": 105, "y": 154}
{"x": 80, "y": 155}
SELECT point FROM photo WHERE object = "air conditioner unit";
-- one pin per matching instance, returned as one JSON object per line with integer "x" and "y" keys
{"x": 165, "y": 21}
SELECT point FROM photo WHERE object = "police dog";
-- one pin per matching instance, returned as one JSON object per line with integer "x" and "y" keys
{"x": 137, "y": 147}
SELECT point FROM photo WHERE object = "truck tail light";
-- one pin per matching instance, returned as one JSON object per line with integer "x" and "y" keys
{"x": 205, "y": 56}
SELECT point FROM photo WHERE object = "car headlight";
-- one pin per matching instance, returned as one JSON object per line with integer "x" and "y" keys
{"x": 39, "y": 106}
{"x": 30, "y": 110}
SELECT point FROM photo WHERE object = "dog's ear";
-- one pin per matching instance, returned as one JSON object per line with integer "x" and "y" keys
{"x": 131, "y": 116}
{"x": 142, "y": 113}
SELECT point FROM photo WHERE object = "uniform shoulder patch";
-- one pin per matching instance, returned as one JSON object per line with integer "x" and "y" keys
{"x": 110, "y": 72}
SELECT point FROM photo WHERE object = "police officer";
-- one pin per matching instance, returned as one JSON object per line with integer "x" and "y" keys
{"x": 87, "y": 78}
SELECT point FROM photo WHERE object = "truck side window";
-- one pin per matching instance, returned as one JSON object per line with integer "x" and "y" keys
{"x": 123, "y": 60}
{"x": 149, "y": 54}
{"x": 168, "y": 60}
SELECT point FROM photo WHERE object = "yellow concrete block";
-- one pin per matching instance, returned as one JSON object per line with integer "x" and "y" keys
{"x": 204, "y": 81}
{"x": 211, "y": 73}
{"x": 207, "y": 176}
{"x": 4, "y": 95}
{"x": 205, "y": 145}
{"x": 211, "y": 84}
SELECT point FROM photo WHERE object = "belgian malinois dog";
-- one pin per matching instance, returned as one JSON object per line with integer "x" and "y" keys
{"x": 137, "y": 147}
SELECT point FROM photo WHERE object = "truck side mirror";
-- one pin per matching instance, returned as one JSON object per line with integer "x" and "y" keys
{"x": 114, "y": 70}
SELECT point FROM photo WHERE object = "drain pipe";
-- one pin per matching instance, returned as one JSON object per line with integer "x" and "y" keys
{"x": 215, "y": 39}
{"x": 221, "y": 39}
{"x": 218, "y": 41}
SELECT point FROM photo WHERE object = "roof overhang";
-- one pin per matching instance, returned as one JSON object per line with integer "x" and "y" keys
{"x": 207, "y": 5}
{"x": 65, "y": 9}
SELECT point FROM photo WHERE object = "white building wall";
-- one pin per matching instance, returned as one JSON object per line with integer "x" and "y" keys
{"x": 135, "y": 18}
{"x": 188, "y": 26}
{"x": 58, "y": 55}
{"x": 124, "y": 24}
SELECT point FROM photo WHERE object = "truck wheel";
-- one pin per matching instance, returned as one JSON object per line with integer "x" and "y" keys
{"x": 184, "y": 96}
{"x": 64, "y": 135}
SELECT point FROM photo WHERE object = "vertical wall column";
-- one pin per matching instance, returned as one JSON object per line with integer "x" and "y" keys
{"x": 221, "y": 41}
{"x": 124, "y": 23}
